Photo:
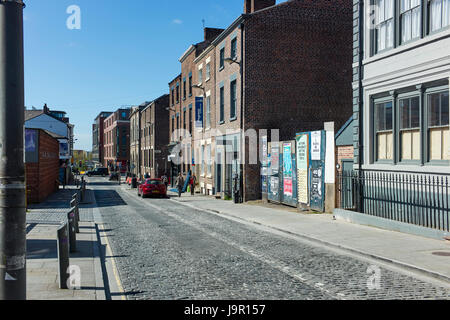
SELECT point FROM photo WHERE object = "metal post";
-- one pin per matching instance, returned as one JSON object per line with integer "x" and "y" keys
{"x": 74, "y": 206}
{"x": 63, "y": 255}
{"x": 72, "y": 234}
{"x": 12, "y": 172}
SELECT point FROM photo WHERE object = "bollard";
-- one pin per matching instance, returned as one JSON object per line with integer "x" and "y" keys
{"x": 63, "y": 255}
{"x": 74, "y": 205}
{"x": 72, "y": 234}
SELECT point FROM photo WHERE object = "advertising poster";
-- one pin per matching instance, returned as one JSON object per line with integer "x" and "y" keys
{"x": 302, "y": 168}
{"x": 287, "y": 170}
{"x": 30, "y": 140}
{"x": 199, "y": 112}
{"x": 274, "y": 185}
{"x": 63, "y": 149}
{"x": 316, "y": 140}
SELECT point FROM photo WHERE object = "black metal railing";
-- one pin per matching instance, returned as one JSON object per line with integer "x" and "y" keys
{"x": 420, "y": 199}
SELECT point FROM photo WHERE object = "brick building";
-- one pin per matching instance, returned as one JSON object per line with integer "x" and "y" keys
{"x": 135, "y": 138}
{"x": 117, "y": 139}
{"x": 98, "y": 138}
{"x": 204, "y": 140}
{"x": 41, "y": 163}
{"x": 154, "y": 140}
{"x": 174, "y": 122}
{"x": 286, "y": 67}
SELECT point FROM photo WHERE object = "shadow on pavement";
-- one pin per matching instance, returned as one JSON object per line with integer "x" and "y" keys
{"x": 108, "y": 198}
{"x": 47, "y": 249}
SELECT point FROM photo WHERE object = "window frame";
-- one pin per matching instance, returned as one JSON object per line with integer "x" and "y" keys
{"x": 422, "y": 91}
{"x": 395, "y": 28}
{"x": 428, "y": 21}
{"x": 426, "y": 141}
{"x": 397, "y": 134}
{"x": 233, "y": 100}
{"x": 222, "y": 59}
{"x": 233, "y": 48}
{"x": 374, "y": 102}
{"x": 221, "y": 105}
{"x": 400, "y": 29}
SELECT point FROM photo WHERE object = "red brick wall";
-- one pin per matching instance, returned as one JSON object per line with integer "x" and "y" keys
{"x": 298, "y": 70}
{"x": 41, "y": 177}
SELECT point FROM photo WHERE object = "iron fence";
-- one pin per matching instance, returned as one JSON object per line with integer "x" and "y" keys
{"x": 420, "y": 199}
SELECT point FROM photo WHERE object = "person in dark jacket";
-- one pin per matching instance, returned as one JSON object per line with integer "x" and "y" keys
{"x": 179, "y": 183}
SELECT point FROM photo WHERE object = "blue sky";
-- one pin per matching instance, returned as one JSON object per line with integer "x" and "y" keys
{"x": 125, "y": 53}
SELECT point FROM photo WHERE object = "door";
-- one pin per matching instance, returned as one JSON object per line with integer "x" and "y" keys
{"x": 317, "y": 171}
{"x": 346, "y": 184}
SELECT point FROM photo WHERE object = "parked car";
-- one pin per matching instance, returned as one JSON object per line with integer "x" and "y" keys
{"x": 98, "y": 172}
{"x": 152, "y": 187}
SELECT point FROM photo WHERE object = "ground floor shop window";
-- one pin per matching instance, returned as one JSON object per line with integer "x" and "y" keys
{"x": 412, "y": 127}
{"x": 384, "y": 135}
{"x": 438, "y": 125}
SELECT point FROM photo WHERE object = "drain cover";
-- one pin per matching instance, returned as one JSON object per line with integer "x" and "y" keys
{"x": 442, "y": 254}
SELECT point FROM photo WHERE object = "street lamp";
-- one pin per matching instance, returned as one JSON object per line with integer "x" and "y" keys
{"x": 231, "y": 61}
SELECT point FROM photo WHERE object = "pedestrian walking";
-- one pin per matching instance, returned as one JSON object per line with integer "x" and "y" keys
{"x": 179, "y": 183}
{"x": 165, "y": 180}
{"x": 193, "y": 182}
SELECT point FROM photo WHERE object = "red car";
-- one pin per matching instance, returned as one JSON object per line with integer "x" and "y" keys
{"x": 152, "y": 187}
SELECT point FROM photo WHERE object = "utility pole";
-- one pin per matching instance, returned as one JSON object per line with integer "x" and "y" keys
{"x": 12, "y": 173}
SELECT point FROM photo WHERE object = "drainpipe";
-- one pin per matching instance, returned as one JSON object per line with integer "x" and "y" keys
{"x": 241, "y": 69}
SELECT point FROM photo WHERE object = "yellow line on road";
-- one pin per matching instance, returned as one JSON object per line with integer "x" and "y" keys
{"x": 119, "y": 283}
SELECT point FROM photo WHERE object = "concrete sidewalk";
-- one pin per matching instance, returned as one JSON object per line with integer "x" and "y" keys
{"x": 43, "y": 221}
{"x": 418, "y": 254}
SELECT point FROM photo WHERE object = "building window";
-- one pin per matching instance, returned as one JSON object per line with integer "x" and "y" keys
{"x": 383, "y": 131}
{"x": 178, "y": 92}
{"x": 208, "y": 112}
{"x": 384, "y": 25}
{"x": 409, "y": 128}
{"x": 190, "y": 84}
{"x": 190, "y": 119}
{"x": 200, "y": 76}
{"x": 222, "y": 106}
{"x": 410, "y": 16}
{"x": 184, "y": 89}
{"x": 173, "y": 126}
{"x": 173, "y": 96}
{"x": 208, "y": 71}
{"x": 208, "y": 159}
{"x": 184, "y": 120}
{"x": 438, "y": 125}
{"x": 439, "y": 14}
{"x": 234, "y": 49}
{"x": 203, "y": 160}
{"x": 233, "y": 100}
{"x": 222, "y": 59}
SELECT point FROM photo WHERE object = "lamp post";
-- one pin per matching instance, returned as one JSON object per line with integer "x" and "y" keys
{"x": 12, "y": 172}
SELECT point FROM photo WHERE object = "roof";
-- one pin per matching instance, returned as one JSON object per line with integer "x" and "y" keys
{"x": 30, "y": 114}
{"x": 51, "y": 134}
{"x": 344, "y": 136}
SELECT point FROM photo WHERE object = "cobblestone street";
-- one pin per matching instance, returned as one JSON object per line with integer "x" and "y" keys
{"x": 165, "y": 250}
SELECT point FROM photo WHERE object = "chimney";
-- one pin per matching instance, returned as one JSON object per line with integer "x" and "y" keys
{"x": 251, "y": 6}
{"x": 212, "y": 33}
{"x": 45, "y": 109}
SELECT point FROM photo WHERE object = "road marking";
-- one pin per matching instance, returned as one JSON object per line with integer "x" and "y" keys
{"x": 114, "y": 267}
